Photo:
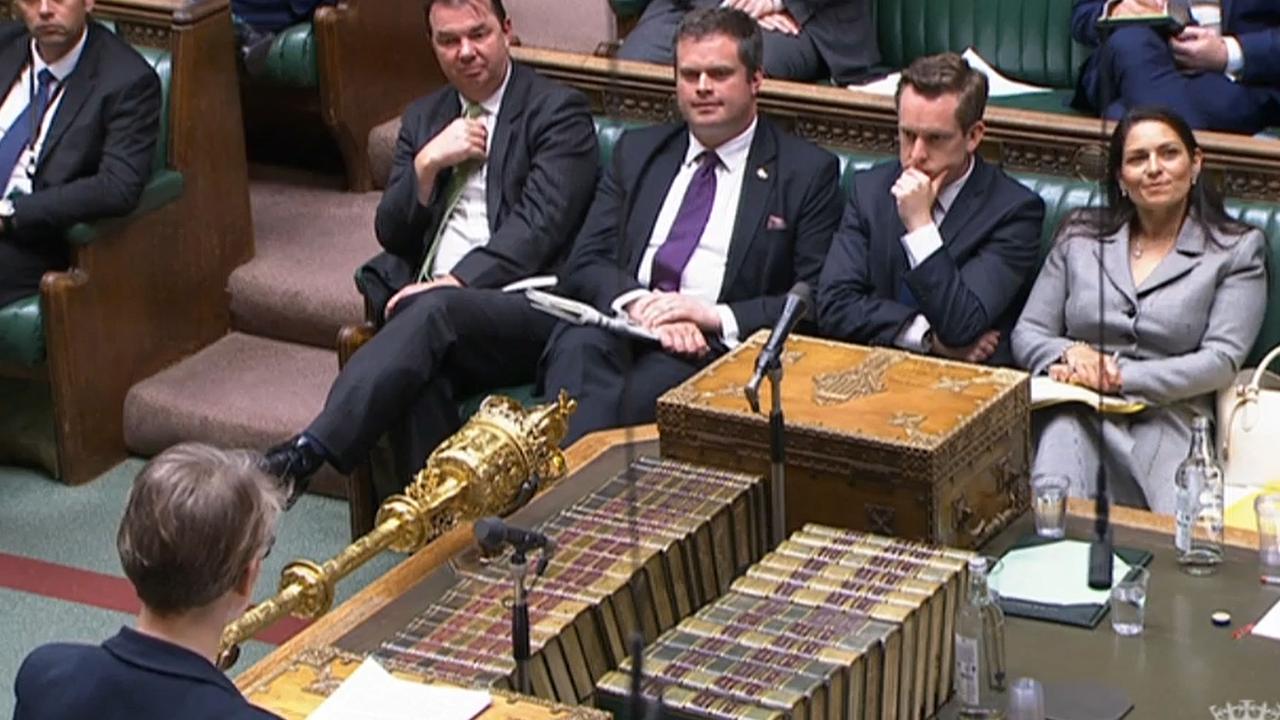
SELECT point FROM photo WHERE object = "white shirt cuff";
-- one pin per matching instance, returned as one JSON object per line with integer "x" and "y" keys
{"x": 728, "y": 326}
{"x": 911, "y": 337}
{"x": 921, "y": 243}
{"x": 620, "y": 303}
{"x": 1235, "y": 57}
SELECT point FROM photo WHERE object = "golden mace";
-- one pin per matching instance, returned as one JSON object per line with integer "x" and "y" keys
{"x": 494, "y": 464}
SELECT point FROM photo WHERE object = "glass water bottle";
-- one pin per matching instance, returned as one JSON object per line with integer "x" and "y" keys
{"x": 1199, "y": 512}
{"x": 979, "y": 649}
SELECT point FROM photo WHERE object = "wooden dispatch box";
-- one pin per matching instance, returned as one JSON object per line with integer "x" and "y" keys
{"x": 878, "y": 439}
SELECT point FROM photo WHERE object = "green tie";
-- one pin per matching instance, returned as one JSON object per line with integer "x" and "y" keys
{"x": 453, "y": 192}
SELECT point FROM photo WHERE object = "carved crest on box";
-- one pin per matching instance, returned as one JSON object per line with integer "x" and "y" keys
{"x": 864, "y": 379}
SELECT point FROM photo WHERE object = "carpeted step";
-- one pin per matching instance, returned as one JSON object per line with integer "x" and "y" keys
{"x": 310, "y": 241}
{"x": 242, "y": 391}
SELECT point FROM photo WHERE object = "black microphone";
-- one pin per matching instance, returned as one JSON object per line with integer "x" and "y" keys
{"x": 1100, "y": 550}
{"x": 797, "y": 305}
{"x": 492, "y": 533}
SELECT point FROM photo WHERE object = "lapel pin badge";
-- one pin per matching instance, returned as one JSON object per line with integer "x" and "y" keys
{"x": 762, "y": 173}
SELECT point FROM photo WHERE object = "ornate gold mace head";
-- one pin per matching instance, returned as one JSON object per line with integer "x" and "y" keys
{"x": 492, "y": 465}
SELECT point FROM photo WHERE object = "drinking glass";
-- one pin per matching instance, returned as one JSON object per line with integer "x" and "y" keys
{"x": 1267, "y": 507}
{"x": 1049, "y": 504}
{"x": 1026, "y": 700}
{"x": 1129, "y": 602}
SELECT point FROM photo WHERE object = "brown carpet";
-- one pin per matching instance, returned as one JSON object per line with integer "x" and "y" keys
{"x": 242, "y": 391}
{"x": 310, "y": 241}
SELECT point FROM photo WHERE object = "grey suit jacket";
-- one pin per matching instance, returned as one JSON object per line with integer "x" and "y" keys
{"x": 1181, "y": 335}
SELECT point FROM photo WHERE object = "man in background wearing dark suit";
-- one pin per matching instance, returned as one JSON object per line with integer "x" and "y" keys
{"x": 697, "y": 232}
{"x": 491, "y": 177}
{"x": 1222, "y": 73}
{"x": 803, "y": 39}
{"x": 80, "y": 116}
{"x": 198, "y": 523}
{"x": 937, "y": 251}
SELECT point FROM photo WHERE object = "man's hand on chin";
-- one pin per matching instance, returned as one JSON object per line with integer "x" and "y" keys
{"x": 664, "y": 308}
{"x": 420, "y": 287}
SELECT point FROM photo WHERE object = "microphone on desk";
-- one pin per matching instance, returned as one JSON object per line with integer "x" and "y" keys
{"x": 1100, "y": 551}
{"x": 492, "y": 534}
{"x": 795, "y": 308}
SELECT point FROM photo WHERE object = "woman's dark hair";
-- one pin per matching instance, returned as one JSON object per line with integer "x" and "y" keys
{"x": 1204, "y": 204}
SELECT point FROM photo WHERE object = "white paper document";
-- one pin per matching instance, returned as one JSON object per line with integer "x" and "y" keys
{"x": 997, "y": 85}
{"x": 1269, "y": 625}
{"x": 1052, "y": 574}
{"x": 372, "y": 693}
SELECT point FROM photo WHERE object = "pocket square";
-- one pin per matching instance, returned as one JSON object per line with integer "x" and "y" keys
{"x": 775, "y": 222}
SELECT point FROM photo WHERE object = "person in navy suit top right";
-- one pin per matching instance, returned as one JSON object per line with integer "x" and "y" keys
{"x": 1221, "y": 73}
{"x": 197, "y": 525}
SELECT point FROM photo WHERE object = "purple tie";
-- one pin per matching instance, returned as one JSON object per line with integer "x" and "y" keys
{"x": 691, "y": 220}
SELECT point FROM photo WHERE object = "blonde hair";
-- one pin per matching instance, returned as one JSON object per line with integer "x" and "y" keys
{"x": 196, "y": 518}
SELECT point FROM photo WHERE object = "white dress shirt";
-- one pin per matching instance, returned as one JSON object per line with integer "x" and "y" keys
{"x": 703, "y": 276}
{"x": 467, "y": 226}
{"x": 920, "y": 244}
{"x": 20, "y": 96}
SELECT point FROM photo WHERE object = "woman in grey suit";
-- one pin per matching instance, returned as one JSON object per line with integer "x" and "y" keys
{"x": 1157, "y": 297}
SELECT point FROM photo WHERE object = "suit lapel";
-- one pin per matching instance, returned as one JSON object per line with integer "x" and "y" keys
{"x": 655, "y": 183}
{"x": 78, "y": 88}
{"x": 1112, "y": 253}
{"x": 758, "y": 178}
{"x": 1181, "y": 260}
{"x": 509, "y": 114}
{"x": 964, "y": 208}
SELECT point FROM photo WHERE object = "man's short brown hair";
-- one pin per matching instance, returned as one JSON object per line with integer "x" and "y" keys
{"x": 196, "y": 518}
{"x": 935, "y": 75}
{"x": 499, "y": 11}
{"x": 732, "y": 22}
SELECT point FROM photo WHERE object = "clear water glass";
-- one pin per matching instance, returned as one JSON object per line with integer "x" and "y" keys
{"x": 1267, "y": 507}
{"x": 1129, "y": 602}
{"x": 1049, "y": 504}
{"x": 1026, "y": 700}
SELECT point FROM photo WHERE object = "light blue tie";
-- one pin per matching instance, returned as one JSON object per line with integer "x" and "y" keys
{"x": 18, "y": 136}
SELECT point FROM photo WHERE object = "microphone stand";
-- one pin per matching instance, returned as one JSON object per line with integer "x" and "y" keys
{"x": 520, "y": 622}
{"x": 777, "y": 453}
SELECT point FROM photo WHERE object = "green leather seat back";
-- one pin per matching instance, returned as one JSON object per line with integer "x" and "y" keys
{"x": 162, "y": 63}
{"x": 1028, "y": 40}
{"x": 291, "y": 60}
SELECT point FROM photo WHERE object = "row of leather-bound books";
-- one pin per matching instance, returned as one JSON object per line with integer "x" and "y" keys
{"x": 646, "y": 549}
{"x": 830, "y": 625}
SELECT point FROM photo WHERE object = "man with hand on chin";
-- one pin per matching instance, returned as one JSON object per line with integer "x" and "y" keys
{"x": 492, "y": 175}
{"x": 936, "y": 252}
{"x": 1221, "y": 73}
{"x": 697, "y": 232}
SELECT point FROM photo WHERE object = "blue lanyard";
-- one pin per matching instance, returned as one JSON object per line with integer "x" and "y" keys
{"x": 36, "y": 121}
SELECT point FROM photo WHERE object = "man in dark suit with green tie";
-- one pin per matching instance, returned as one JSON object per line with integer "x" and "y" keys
{"x": 491, "y": 177}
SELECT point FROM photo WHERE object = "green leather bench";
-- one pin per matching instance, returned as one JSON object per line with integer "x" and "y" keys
{"x": 38, "y": 387}
{"x": 1026, "y": 40}
{"x": 356, "y": 64}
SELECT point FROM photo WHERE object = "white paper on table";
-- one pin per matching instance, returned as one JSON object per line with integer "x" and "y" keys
{"x": 1055, "y": 573}
{"x": 1269, "y": 625}
{"x": 372, "y": 693}
{"x": 997, "y": 85}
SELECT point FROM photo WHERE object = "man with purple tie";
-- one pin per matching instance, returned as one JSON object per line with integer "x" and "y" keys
{"x": 697, "y": 231}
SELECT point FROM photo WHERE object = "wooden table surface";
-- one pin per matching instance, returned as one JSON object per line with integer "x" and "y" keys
{"x": 294, "y": 679}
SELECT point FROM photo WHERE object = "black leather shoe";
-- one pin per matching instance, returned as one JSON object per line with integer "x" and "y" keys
{"x": 293, "y": 462}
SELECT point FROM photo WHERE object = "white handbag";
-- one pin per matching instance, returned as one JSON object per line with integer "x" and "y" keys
{"x": 1249, "y": 426}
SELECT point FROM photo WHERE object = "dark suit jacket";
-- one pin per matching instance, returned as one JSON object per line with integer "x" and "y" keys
{"x": 131, "y": 676}
{"x": 275, "y": 15}
{"x": 786, "y": 178}
{"x": 844, "y": 32}
{"x": 977, "y": 282}
{"x": 97, "y": 155}
{"x": 542, "y": 167}
{"x": 1255, "y": 23}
